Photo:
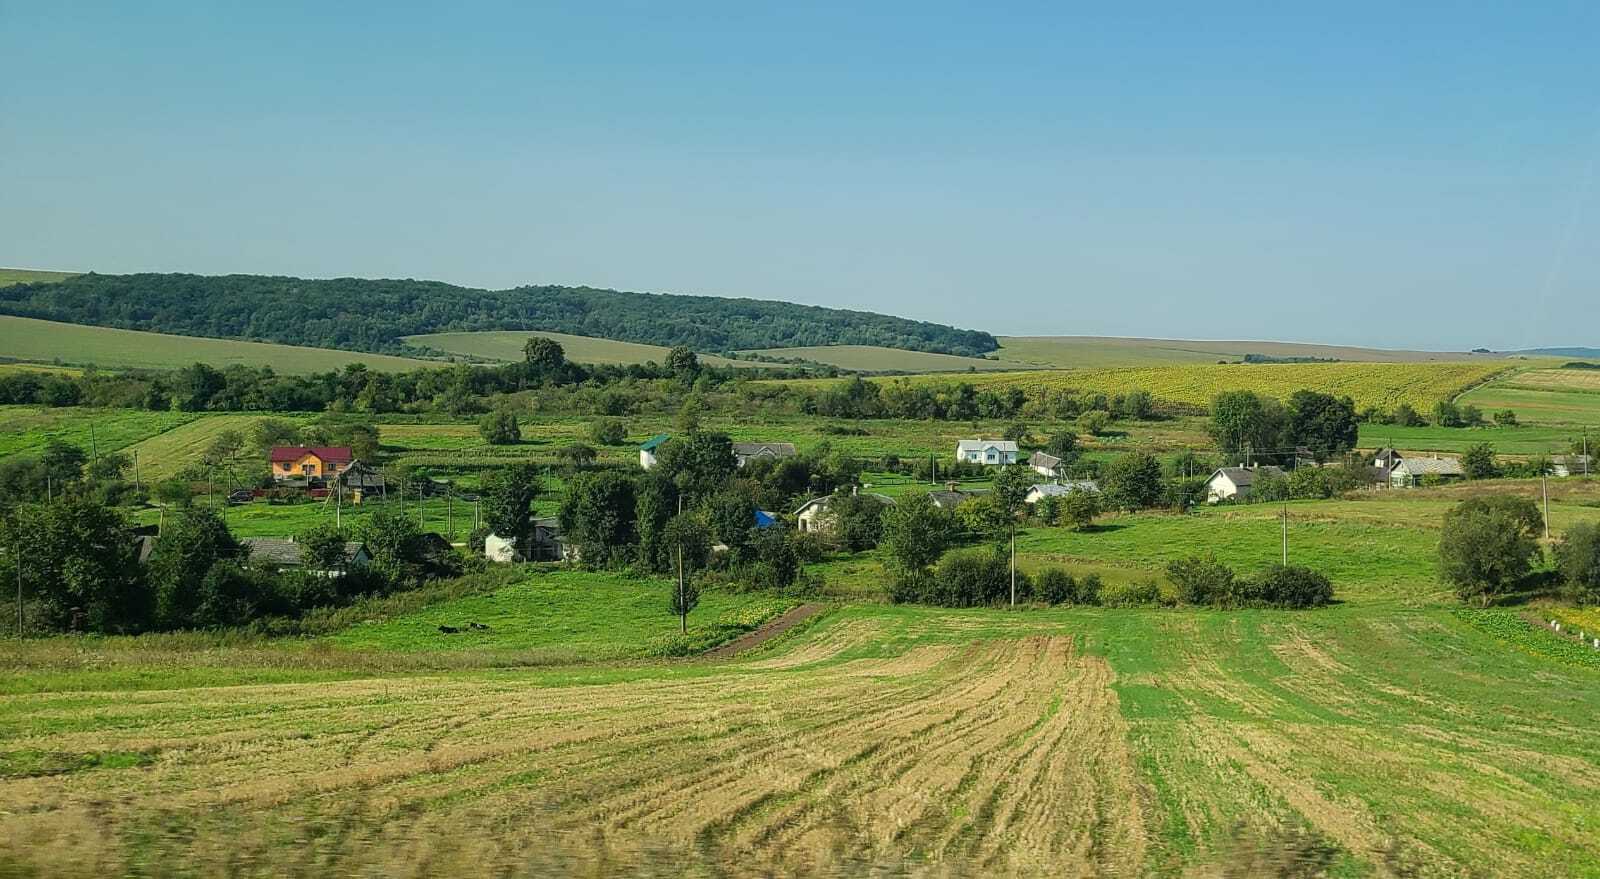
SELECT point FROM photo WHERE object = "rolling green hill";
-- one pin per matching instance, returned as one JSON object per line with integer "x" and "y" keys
{"x": 375, "y": 315}
{"x": 874, "y": 358}
{"x": 31, "y": 276}
{"x": 44, "y": 341}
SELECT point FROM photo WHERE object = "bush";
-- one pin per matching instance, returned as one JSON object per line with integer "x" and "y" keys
{"x": 1203, "y": 580}
{"x": 1094, "y": 422}
{"x": 964, "y": 578}
{"x": 1488, "y": 545}
{"x": 500, "y": 428}
{"x": 609, "y": 432}
{"x": 1140, "y": 594}
{"x": 1289, "y": 586}
{"x": 1506, "y": 418}
{"x": 1579, "y": 559}
{"x": 1055, "y": 586}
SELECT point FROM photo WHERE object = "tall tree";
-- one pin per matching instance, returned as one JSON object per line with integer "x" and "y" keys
{"x": 1488, "y": 545}
{"x": 506, "y": 495}
{"x": 1322, "y": 422}
{"x": 79, "y": 565}
{"x": 1132, "y": 481}
{"x": 597, "y": 515}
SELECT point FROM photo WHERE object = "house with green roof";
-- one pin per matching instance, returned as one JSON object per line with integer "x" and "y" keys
{"x": 647, "y": 450}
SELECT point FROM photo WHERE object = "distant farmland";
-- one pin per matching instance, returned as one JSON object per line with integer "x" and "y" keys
{"x": 874, "y": 358}
{"x": 30, "y": 276}
{"x": 1107, "y": 351}
{"x": 1384, "y": 385}
{"x": 24, "y": 338}
{"x": 506, "y": 346}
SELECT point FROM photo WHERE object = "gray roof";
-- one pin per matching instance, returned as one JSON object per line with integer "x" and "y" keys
{"x": 285, "y": 552}
{"x": 1243, "y": 476}
{"x": 1425, "y": 466}
{"x": 1053, "y": 490}
{"x": 946, "y": 499}
{"x": 776, "y": 450}
{"x": 826, "y": 499}
{"x": 1040, "y": 459}
{"x": 980, "y": 444}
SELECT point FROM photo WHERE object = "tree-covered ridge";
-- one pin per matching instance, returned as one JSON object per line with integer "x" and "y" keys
{"x": 372, "y": 315}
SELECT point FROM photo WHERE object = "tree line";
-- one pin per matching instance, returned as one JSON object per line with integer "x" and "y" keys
{"x": 374, "y": 315}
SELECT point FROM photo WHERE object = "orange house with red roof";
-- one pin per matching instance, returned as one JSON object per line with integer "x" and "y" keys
{"x": 309, "y": 462}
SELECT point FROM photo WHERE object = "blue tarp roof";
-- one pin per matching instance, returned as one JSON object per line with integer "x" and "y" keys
{"x": 654, "y": 441}
{"x": 765, "y": 519}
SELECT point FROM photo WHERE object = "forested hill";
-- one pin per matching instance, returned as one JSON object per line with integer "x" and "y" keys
{"x": 373, "y": 315}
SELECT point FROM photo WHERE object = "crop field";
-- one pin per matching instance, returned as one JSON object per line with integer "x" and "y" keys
{"x": 874, "y": 358}
{"x": 1587, "y": 380}
{"x": 1092, "y": 352}
{"x": 1524, "y": 439}
{"x": 25, "y": 429}
{"x": 30, "y": 276}
{"x": 1384, "y": 385}
{"x": 1538, "y": 406}
{"x": 23, "y": 338}
{"x": 506, "y": 345}
{"x": 167, "y": 454}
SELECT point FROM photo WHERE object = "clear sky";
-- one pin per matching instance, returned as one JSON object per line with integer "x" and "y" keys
{"x": 1399, "y": 174}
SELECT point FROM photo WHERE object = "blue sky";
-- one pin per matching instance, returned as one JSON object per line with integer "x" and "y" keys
{"x": 1417, "y": 175}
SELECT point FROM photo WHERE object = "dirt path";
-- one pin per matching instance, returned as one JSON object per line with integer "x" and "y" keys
{"x": 768, "y": 630}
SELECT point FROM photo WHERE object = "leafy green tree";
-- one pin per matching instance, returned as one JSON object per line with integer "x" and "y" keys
{"x": 1506, "y": 418}
{"x": 189, "y": 545}
{"x": 79, "y": 565}
{"x": 682, "y": 359}
{"x": 1245, "y": 423}
{"x": 394, "y": 541}
{"x": 777, "y": 563}
{"x": 1201, "y": 579}
{"x": 857, "y": 521}
{"x": 62, "y": 462}
{"x": 1064, "y": 445}
{"x": 598, "y": 516}
{"x": 609, "y": 432}
{"x": 1016, "y": 432}
{"x": 1011, "y": 486}
{"x": 1578, "y": 556}
{"x": 1094, "y": 422}
{"x": 655, "y": 503}
{"x": 1405, "y": 416}
{"x": 174, "y": 492}
{"x": 689, "y": 543}
{"x": 1488, "y": 545}
{"x": 500, "y": 428}
{"x": 578, "y": 455}
{"x": 1132, "y": 481}
{"x": 322, "y": 549}
{"x": 223, "y": 448}
{"x": 985, "y": 516}
{"x": 1289, "y": 586}
{"x": 1471, "y": 416}
{"x": 731, "y": 515}
{"x": 544, "y": 356}
{"x": 1478, "y": 462}
{"x": 506, "y": 496}
{"x": 1080, "y": 508}
{"x": 1322, "y": 422}
{"x": 229, "y": 595}
{"x": 915, "y": 532}
{"x": 699, "y": 463}
{"x": 1447, "y": 414}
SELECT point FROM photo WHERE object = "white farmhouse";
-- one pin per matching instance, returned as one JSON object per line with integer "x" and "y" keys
{"x": 647, "y": 450}
{"x": 814, "y": 515}
{"x": 1411, "y": 471}
{"x": 1040, "y": 492}
{"x": 1230, "y": 483}
{"x": 995, "y": 452}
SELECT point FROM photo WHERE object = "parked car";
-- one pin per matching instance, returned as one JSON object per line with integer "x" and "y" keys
{"x": 241, "y": 496}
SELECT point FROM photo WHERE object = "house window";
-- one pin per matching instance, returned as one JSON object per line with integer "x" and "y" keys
{"x": 308, "y": 469}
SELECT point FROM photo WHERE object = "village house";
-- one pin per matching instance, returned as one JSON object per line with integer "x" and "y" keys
{"x": 813, "y": 516}
{"x": 990, "y": 452}
{"x": 1046, "y": 465}
{"x": 951, "y": 496}
{"x": 544, "y": 544}
{"x": 1409, "y": 472}
{"x": 309, "y": 464}
{"x": 647, "y": 450}
{"x": 747, "y": 452}
{"x": 1235, "y": 483}
{"x": 361, "y": 481}
{"x": 1571, "y": 465}
{"x": 282, "y": 553}
{"x": 1040, "y": 492}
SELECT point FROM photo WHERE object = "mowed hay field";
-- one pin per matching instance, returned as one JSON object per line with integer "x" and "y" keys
{"x": 168, "y": 453}
{"x": 24, "y": 338}
{"x": 877, "y": 740}
{"x": 26, "y": 429}
{"x": 506, "y": 346}
{"x": 1384, "y": 385}
{"x": 31, "y": 276}
{"x": 1106, "y": 351}
{"x": 875, "y": 358}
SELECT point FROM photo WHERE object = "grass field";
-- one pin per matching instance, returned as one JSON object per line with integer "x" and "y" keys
{"x": 30, "y": 276}
{"x": 1098, "y": 352}
{"x": 506, "y": 345}
{"x": 1384, "y": 385}
{"x": 26, "y": 429}
{"x": 23, "y": 338}
{"x": 873, "y": 358}
{"x": 1524, "y": 440}
{"x": 166, "y": 454}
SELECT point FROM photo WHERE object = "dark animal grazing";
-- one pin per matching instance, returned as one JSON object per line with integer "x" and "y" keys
{"x": 449, "y": 630}
{"x": 478, "y": 627}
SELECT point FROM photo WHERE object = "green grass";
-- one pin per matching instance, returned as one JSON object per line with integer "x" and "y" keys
{"x": 874, "y": 358}
{"x": 1524, "y": 439}
{"x": 506, "y": 345}
{"x": 169, "y": 453}
{"x": 26, "y": 429}
{"x": 23, "y": 338}
{"x": 30, "y": 276}
{"x": 1538, "y": 406}
{"x": 580, "y": 616}
{"x": 1080, "y": 352}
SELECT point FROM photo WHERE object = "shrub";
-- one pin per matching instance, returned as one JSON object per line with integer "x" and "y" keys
{"x": 1488, "y": 545}
{"x": 1139, "y": 594}
{"x": 1579, "y": 559}
{"x": 500, "y": 428}
{"x": 1094, "y": 422}
{"x": 1478, "y": 462}
{"x": 1056, "y": 586}
{"x": 1289, "y": 586}
{"x": 1202, "y": 580}
{"x": 609, "y": 432}
{"x": 1506, "y": 418}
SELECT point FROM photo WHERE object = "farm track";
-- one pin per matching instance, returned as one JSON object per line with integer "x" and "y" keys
{"x": 1006, "y": 756}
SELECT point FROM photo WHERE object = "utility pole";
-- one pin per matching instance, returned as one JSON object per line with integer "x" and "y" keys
{"x": 1586, "y": 451}
{"x": 338, "y": 505}
{"x": 1286, "y": 534}
{"x": 94, "y": 447}
{"x": 1544, "y": 488}
{"x": 1013, "y": 562}
{"x": 18, "y": 550}
{"x": 683, "y": 612}
{"x": 450, "y": 499}
{"x": 136, "y": 486}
